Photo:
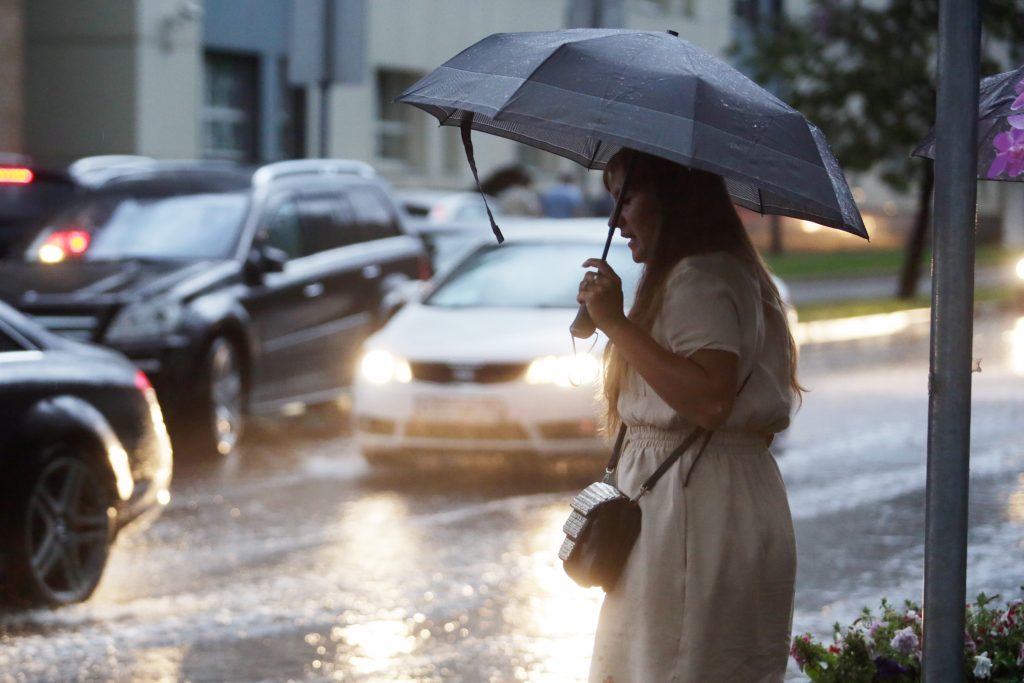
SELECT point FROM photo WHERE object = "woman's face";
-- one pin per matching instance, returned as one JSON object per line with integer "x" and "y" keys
{"x": 640, "y": 219}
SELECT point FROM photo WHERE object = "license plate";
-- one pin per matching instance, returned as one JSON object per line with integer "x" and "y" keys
{"x": 459, "y": 409}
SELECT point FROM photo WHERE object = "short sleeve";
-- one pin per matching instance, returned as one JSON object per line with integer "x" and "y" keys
{"x": 700, "y": 310}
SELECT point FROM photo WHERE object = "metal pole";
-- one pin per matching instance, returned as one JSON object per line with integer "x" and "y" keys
{"x": 949, "y": 386}
{"x": 328, "y": 77}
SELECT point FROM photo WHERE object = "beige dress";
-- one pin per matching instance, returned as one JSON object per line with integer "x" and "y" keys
{"x": 707, "y": 592}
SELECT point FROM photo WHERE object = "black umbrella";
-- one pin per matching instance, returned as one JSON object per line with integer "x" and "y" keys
{"x": 585, "y": 93}
{"x": 1000, "y": 128}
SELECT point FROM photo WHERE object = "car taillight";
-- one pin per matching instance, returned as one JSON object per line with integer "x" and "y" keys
{"x": 64, "y": 243}
{"x": 16, "y": 175}
{"x": 426, "y": 271}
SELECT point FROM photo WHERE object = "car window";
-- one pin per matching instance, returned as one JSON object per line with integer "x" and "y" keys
{"x": 373, "y": 215}
{"x": 161, "y": 227}
{"x": 322, "y": 222}
{"x": 281, "y": 229}
{"x": 502, "y": 276}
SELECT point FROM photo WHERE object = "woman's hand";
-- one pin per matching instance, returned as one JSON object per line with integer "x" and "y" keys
{"x": 602, "y": 294}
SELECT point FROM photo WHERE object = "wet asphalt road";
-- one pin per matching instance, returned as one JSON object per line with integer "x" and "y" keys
{"x": 294, "y": 561}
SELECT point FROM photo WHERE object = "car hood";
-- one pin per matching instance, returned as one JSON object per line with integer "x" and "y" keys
{"x": 479, "y": 335}
{"x": 27, "y": 283}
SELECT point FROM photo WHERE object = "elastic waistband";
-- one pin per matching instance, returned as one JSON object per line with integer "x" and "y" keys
{"x": 642, "y": 435}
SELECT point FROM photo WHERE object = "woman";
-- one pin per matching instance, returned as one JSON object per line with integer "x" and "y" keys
{"x": 707, "y": 592}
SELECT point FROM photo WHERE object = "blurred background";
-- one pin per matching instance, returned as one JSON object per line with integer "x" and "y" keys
{"x": 253, "y": 82}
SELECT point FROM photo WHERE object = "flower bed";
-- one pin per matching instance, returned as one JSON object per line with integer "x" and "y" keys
{"x": 887, "y": 647}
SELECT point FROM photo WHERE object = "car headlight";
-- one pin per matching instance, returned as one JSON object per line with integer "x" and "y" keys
{"x": 564, "y": 371}
{"x": 145, "y": 320}
{"x": 1020, "y": 269}
{"x": 381, "y": 367}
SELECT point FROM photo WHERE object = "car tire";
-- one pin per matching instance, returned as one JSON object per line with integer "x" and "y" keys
{"x": 218, "y": 420}
{"x": 62, "y": 530}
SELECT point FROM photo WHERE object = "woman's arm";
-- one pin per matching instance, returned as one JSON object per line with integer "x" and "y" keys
{"x": 701, "y": 387}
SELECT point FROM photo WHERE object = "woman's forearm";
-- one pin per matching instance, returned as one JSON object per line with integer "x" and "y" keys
{"x": 701, "y": 387}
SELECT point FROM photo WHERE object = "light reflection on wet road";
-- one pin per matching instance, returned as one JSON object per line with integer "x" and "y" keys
{"x": 297, "y": 562}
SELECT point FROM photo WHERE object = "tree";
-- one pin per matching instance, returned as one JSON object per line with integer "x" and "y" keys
{"x": 864, "y": 72}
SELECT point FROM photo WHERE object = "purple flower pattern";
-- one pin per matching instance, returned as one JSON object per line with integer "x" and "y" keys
{"x": 1009, "y": 145}
{"x": 1009, "y": 157}
{"x": 1018, "y": 104}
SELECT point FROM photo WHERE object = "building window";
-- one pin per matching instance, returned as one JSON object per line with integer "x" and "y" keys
{"x": 398, "y": 135}
{"x": 230, "y": 107}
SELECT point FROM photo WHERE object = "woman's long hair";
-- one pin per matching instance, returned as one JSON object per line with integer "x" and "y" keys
{"x": 696, "y": 217}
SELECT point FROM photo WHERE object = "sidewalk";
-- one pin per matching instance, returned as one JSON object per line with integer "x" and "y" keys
{"x": 839, "y": 289}
{"x": 910, "y": 323}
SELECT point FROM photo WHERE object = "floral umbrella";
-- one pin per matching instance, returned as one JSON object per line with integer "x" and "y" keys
{"x": 1000, "y": 128}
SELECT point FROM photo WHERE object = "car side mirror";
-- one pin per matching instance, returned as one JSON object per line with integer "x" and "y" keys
{"x": 274, "y": 259}
{"x": 264, "y": 259}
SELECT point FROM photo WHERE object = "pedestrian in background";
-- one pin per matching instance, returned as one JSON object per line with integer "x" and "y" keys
{"x": 563, "y": 199}
{"x": 513, "y": 187}
{"x": 707, "y": 591}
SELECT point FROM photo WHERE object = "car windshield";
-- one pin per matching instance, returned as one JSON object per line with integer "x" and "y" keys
{"x": 528, "y": 275}
{"x": 164, "y": 227}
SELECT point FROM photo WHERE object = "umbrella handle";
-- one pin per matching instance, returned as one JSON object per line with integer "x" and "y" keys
{"x": 582, "y": 326}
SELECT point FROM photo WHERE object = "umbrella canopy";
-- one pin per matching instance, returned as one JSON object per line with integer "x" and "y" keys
{"x": 585, "y": 93}
{"x": 1000, "y": 128}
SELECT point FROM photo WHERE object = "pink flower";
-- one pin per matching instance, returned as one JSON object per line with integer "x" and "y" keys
{"x": 905, "y": 641}
{"x": 1010, "y": 156}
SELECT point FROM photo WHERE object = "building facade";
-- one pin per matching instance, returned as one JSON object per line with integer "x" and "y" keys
{"x": 211, "y": 78}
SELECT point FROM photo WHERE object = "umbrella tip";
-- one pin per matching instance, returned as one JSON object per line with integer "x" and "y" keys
{"x": 673, "y": 33}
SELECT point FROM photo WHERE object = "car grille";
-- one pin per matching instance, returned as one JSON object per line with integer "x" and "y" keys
{"x": 489, "y": 373}
{"x": 577, "y": 429}
{"x": 465, "y": 430}
{"x": 375, "y": 425}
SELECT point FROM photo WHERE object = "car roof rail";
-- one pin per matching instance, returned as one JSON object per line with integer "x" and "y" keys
{"x": 103, "y": 171}
{"x": 93, "y": 171}
{"x": 299, "y": 167}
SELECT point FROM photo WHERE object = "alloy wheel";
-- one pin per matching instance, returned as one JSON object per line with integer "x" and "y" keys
{"x": 68, "y": 530}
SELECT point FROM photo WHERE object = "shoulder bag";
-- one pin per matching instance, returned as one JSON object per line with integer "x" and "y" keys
{"x": 605, "y": 522}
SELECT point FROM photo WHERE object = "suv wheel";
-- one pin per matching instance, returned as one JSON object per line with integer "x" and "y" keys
{"x": 62, "y": 532}
{"x": 221, "y": 398}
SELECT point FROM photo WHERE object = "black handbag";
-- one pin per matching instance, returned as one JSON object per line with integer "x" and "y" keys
{"x": 605, "y": 522}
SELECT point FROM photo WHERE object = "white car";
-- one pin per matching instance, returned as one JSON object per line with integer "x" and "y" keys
{"x": 446, "y": 206}
{"x": 484, "y": 363}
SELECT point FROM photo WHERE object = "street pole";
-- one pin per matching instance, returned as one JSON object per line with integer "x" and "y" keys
{"x": 949, "y": 386}
{"x": 327, "y": 79}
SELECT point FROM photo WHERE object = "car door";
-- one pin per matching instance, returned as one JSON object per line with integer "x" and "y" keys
{"x": 346, "y": 274}
{"x": 282, "y": 307}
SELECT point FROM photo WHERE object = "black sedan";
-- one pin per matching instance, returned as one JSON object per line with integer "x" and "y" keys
{"x": 83, "y": 452}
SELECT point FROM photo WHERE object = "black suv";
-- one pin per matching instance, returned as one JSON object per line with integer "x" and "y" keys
{"x": 235, "y": 291}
